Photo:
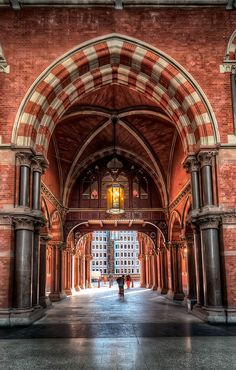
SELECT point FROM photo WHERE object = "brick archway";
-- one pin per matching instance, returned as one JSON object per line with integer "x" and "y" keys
{"x": 115, "y": 59}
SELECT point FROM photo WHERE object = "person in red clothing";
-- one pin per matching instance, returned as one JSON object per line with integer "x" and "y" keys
{"x": 128, "y": 281}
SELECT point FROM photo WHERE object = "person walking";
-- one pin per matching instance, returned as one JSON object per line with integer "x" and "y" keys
{"x": 121, "y": 283}
{"x": 128, "y": 281}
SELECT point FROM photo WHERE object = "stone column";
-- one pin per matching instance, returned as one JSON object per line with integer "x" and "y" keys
{"x": 88, "y": 275}
{"x": 38, "y": 165}
{"x": 192, "y": 166}
{"x": 154, "y": 272}
{"x": 24, "y": 182}
{"x": 142, "y": 271}
{"x": 147, "y": 271}
{"x": 211, "y": 261}
{"x": 36, "y": 255}
{"x": 205, "y": 158}
{"x": 176, "y": 260}
{"x": 24, "y": 228}
{"x": 163, "y": 271}
{"x": 191, "y": 282}
{"x": 43, "y": 299}
{"x": 198, "y": 264}
{"x": 83, "y": 272}
{"x": 55, "y": 294}
{"x": 68, "y": 262}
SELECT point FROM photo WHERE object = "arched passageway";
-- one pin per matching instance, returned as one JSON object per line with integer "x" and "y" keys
{"x": 64, "y": 133}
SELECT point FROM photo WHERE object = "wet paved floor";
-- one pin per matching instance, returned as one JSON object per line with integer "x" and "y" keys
{"x": 97, "y": 330}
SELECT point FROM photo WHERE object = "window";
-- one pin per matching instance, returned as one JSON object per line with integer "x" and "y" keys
{"x": 96, "y": 264}
{"x": 117, "y": 271}
{"x": 100, "y": 262}
{"x": 104, "y": 262}
{"x": 104, "y": 254}
{"x": 117, "y": 263}
{"x": 100, "y": 254}
{"x": 125, "y": 262}
{"x": 100, "y": 246}
{"x": 137, "y": 271}
{"x": 104, "y": 271}
{"x": 121, "y": 254}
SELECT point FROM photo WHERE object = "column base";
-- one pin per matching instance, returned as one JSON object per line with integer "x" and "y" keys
{"x": 154, "y": 287}
{"x": 45, "y": 302}
{"x": 77, "y": 288}
{"x": 68, "y": 291}
{"x": 162, "y": 290}
{"x": 55, "y": 297}
{"x": 175, "y": 296}
{"x": 230, "y": 315}
{"x": 148, "y": 286}
{"x": 20, "y": 317}
{"x": 215, "y": 315}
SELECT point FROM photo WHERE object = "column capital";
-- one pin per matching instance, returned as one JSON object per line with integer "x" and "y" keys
{"x": 205, "y": 157}
{"x": 39, "y": 164}
{"x": 191, "y": 164}
{"x": 209, "y": 222}
{"x": 23, "y": 223}
{"x": 24, "y": 158}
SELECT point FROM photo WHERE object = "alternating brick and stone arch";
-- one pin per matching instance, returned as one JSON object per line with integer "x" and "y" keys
{"x": 115, "y": 59}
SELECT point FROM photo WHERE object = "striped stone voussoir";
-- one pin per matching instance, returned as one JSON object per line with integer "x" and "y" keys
{"x": 114, "y": 60}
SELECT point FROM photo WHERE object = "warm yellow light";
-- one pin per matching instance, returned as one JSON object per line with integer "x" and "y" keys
{"x": 115, "y": 199}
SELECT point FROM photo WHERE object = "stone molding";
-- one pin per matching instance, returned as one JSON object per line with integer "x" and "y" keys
{"x": 228, "y": 67}
{"x": 52, "y": 199}
{"x": 177, "y": 200}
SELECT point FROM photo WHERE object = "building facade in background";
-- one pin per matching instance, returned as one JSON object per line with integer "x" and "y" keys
{"x": 115, "y": 252}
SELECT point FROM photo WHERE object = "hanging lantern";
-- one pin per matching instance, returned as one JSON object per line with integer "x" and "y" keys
{"x": 115, "y": 199}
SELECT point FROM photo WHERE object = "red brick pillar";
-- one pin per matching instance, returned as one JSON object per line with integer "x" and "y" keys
{"x": 142, "y": 271}
{"x": 163, "y": 271}
{"x": 83, "y": 271}
{"x": 191, "y": 274}
{"x": 55, "y": 294}
{"x": 88, "y": 273}
{"x": 154, "y": 272}
{"x": 176, "y": 259}
{"x": 147, "y": 270}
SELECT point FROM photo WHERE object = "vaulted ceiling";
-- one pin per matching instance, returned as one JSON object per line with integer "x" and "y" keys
{"x": 143, "y": 131}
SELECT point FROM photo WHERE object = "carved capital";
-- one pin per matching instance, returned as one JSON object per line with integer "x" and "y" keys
{"x": 39, "y": 164}
{"x": 191, "y": 164}
{"x": 205, "y": 157}
{"x": 24, "y": 158}
{"x": 209, "y": 222}
{"x": 23, "y": 223}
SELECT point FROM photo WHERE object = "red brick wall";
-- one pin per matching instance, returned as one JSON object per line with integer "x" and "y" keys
{"x": 51, "y": 176}
{"x": 6, "y": 265}
{"x": 179, "y": 177}
{"x": 33, "y": 38}
{"x": 228, "y": 257}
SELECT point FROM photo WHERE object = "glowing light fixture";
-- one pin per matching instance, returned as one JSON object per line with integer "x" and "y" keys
{"x": 115, "y": 199}
{"x": 115, "y": 191}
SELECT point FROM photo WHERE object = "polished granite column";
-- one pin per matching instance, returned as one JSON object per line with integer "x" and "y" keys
{"x": 192, "y": 166}
{"x": 209, "y": 220}
{"x": 176, "y": 259}
{"x": 36, "y": 256}
{"x": 24, "y": 160}
{"x": 24, "y": 228}
{"x": 44, "y": 301}
{"x": 142, "y": 271}
{"x": 191, "y": 273}
{"x": 198, "y": 264}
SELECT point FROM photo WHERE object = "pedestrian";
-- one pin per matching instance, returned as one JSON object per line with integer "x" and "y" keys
{"x": 105, "y": 280}
{"x": 121, "y": 283}
{"x": 128, "y": 281}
